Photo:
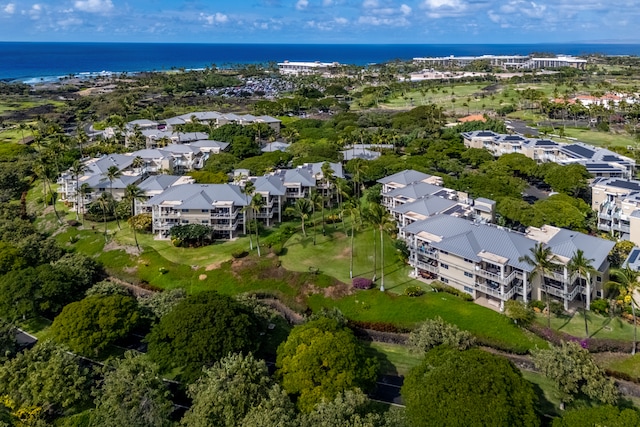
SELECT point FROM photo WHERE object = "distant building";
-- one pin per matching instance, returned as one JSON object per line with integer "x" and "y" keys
{"x": 295, "y": 68}
{"x": 504, "y": 61}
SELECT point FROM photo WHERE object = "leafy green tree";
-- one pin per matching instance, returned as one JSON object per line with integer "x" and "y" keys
{"x": 89, "y": 326}
{"x": 8, "y": 343}
{"x": 132, "y": 194}
{"x": 230, "y": 390}
{"x": 472, "y": 387}
{"x": 107, "y": 288}
{"x": 45, "y": 376}
{"x": 192, "y": 234}
{"x": 620, "y": 252}
{"x": 597, "y": 416}
{"x": 132, "y": 394}
{"x": 10, "y": 258}
{"x": 199, "y": 331}
{"x": 159, "y": 304}
{"x": 17, "y": 294}
{"x": 351, "y": 408}
{"x": 434, "y": 332}
{"x": 519, "y": 312}
{"x": 570, "y": 179}
{"x": 321, "y": 359}
{"x": 574, "y": 372}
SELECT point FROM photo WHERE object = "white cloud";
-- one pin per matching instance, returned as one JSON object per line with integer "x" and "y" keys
{"x": 10, "y": 8}
{"x": 444, "y": 8}
{"x": 217, "y": 18}
{"x": 370, "y": 4}
{"x": 327, "y": 3}
{"x": 341, "y": 21}
{"x": 406, "y": 10}
{"x": 378, "y": 21}
{"x": 94, "y": 6}
{"x": 302, "y": 4}
{"x": 69, "y": 22}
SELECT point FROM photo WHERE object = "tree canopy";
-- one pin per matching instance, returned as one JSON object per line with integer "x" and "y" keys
{"x": 89, "y": 326}
{"x": 472, "y": 387}
{"x": 597, "y": 416}
{"x": 199, "y": 331}
{"x": 321, "y": 359}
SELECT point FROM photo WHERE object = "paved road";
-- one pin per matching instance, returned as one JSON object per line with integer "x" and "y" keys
{"x": 520, "y": 127}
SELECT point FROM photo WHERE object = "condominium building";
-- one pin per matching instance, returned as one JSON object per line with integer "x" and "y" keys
{"x": 219, "y": 206}
{"x": 486, "y": 261}
{"x": 599, "y": 162}
{"x": 617, "y": 205}
{"x": 505, "y": 61}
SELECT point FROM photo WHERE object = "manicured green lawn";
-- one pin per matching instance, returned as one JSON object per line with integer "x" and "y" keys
{"x": 624, "y": 363}
{"x": 599, "y": 326}
{"x": 598, "y": 138}
{"x": 395, "y": 359}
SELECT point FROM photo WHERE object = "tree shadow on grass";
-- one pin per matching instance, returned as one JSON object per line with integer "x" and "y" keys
{"x": 386, "y": 367}
{"x": 547, "y": 411}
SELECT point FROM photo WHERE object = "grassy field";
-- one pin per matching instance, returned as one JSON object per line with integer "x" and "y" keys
{"x": 599, "y": 139}
{"x": 599, "y": 326}
{"x": 624, "y": 363}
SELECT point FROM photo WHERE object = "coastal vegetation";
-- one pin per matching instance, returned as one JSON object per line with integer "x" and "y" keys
{"x": 192, "y": 321}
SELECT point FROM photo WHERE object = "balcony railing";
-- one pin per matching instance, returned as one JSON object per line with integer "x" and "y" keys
{"x": 427, "y": 267}
{"x": 496, "y": 277}
{"x": 507, "y": 295}
{"x": 555, "y": 276}
{"x": 570, "y": 295}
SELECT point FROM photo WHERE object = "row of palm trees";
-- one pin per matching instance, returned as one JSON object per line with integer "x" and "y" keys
{"x": 626, "y": 281}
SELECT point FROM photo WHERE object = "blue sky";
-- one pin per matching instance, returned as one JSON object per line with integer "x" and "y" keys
{"x": 321, "y": 21}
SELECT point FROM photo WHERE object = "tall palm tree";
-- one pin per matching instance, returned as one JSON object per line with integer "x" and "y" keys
{"x": 353, "y": 210}
{"x": 301, "y": 209}
{"x": 84, "y": 191}
{"x": 382, "y": 221}
{"x": 105, "y": 203}
{"x": 317, "y": 201}
{"x": 112, "y": 174}
{"x": 77, "y": 169}
{"x": 626, "y": 280}
{"x": 329, "y": 179}
{"x": 542, "y": 260}
{"x": 248, "y": 190}
{"x": 257, "y": 202}
{"x": 138, "y": 163}
{"x": 581, "y": 266}
{"x": 133, "y": 193}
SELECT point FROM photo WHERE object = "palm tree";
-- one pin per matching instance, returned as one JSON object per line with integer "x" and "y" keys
{"x": 112, "y": 174}
{"x": 77, "y": 169}
{"x": 353, "y": 210}
{"x": 84, "y": 191}
{"x": 626, "y": 280}
{"x": 581, "y": 266}
{"x": 105, "y": 203}
{"x": 542, "y": 261}
{"x": 248, "y": 190}
{"x": 133, "y": 193}
{"x": 301, "y": 209}
{"x": 329, "y": 179}
{"x": 317, "y": 201}
{"x": 138, "y": 163}
{"x": 381, "y": 220}
{"x": 257, "y": 202}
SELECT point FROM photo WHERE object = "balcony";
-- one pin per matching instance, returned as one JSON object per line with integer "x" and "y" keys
{"x": 555, "y": 276}
{"x": 488, "y": 290}
{"x": 558, "y": 292}
{"x": 496, "y": 277}
{"x": 427, "y": 267}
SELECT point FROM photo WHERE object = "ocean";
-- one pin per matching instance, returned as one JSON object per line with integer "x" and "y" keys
{"x": 40, "y": 62}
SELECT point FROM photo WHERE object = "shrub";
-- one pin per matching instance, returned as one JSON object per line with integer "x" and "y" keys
{"x": 556, "y": 308}
{"x": 240, "y": 253}
{"x": 377, "y": 326}
{"x": 519, "y": 312}
{"x": 537, "y": 304}
{"x": 441, "y": 287}
{"x": 278, "y": 249}
{"x": 435, "y": 332}
{"x": 73, "y": 223}
{"x": 362, "y": 283}
{"x": 414, "y": 291}
{"x": 600, "y": 306}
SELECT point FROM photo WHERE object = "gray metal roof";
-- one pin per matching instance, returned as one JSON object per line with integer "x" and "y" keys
{"x": 158, "y": 182}
{"x": 405, "y": 177}
{"x": 270, "y": 184}
{"x": 414, "y": 191}
{"x": 427, "y": 206}
{"x": 566, "y": 242}
{"x": 200, "y": 196}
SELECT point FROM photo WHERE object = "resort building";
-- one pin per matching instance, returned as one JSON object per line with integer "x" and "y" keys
{"x": 504, "y": 61}
{"x": 296, "y": 68}
{"x": 484, "y": 260}
{"x": 617, "y": 205}
{"x": 599, "y": 162}
{"x": 219, "y": 206}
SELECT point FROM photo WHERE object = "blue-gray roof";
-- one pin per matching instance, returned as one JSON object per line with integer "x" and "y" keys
{"x": 405, "y": 177}
{"x": 200, "y": 196}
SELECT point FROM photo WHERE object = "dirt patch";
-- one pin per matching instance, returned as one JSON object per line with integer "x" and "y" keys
{"x": 213, "y": 266}
{"x": 346, "y": 253}
{"x": 130, "y": 270}
{"x": 202, "y": 277}
{"x": 114, "y": 246}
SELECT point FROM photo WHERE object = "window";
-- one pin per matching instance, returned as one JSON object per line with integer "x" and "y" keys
{"x": 185, "y": 221}
{"x": 445, "y": 266}
{"x": 467, "y": 274}
{"x": 205, "y": 221}
{"x": 184, "y": 210}
{"x": 444, "y": 252}
{"x": 444, "y": 280}
{"x": 468, "y": 260}
{"x": 598, "y": 279}
{"x": 205, "y": 210}
{"x": 468, "y": 290}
